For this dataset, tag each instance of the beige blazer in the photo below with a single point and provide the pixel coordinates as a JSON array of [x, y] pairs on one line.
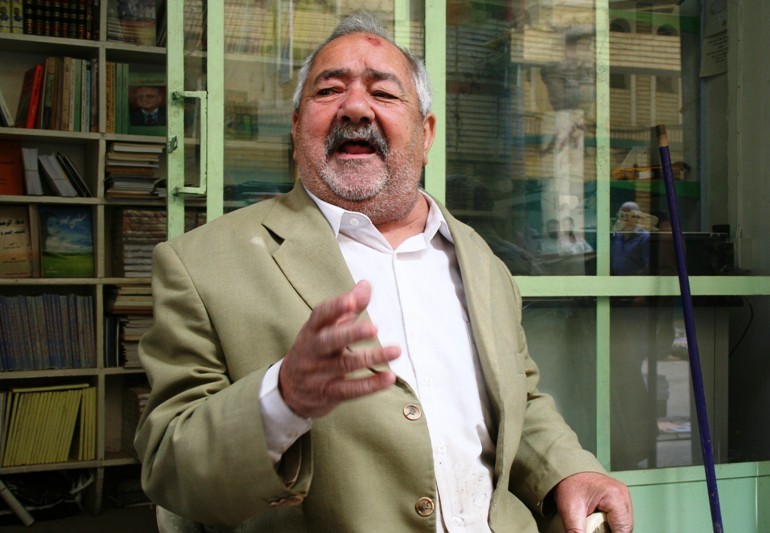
[[230, 298]]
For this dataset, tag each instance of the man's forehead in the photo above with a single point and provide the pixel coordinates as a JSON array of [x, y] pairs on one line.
[[368, 74], [373, 53]]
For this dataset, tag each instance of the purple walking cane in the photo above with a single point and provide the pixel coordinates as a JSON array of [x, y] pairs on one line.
[[689, 323]]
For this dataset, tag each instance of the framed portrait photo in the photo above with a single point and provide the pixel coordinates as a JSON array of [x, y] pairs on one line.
[[147, 103]]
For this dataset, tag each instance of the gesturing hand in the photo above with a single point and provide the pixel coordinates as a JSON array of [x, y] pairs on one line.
[[313, 378]]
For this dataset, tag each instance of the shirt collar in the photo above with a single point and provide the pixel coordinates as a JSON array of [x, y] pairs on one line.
[[335, 215]]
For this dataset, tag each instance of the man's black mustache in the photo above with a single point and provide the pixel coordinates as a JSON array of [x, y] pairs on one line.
[[341, 133]]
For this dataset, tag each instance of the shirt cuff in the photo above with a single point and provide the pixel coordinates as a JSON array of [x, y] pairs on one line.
[[282, 427]]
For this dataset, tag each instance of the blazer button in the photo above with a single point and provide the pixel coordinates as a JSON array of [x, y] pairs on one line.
[[412, 412], [425, 507]]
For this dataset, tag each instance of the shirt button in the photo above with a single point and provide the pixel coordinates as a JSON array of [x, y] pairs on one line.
[[353, 221], [425, 507], [412, 412]]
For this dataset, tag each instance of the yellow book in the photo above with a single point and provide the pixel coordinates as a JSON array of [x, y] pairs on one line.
[[10, 428], [39, 426], [18, 431], [51, 403], [4, 426], [86, 440], [70, 422], [31, 428], [58, 412]]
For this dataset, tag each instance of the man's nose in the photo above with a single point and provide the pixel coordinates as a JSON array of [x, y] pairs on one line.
[[356, 107]]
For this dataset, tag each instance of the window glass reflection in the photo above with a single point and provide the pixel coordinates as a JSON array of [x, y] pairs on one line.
[[561, 334], [520, 123], [653, 415]]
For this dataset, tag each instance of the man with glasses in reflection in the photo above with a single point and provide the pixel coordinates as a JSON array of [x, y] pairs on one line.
[[349, 357], [630, 247]]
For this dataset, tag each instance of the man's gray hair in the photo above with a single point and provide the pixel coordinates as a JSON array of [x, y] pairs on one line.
[[367, 23]]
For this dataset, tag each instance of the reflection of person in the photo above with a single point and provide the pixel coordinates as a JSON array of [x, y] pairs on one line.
[[549, 243], [149, 109], [571, 242], [630, 246], [633, 408], [273, 401]]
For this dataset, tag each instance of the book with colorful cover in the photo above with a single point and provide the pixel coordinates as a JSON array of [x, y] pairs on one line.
[[132, 21], [17, 16], [29, 98], [15, 242], [5, 16], [48, 93], [66, 241]]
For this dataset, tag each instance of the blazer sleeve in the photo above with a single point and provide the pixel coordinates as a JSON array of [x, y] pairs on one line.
[[200, 439], [548, 450]]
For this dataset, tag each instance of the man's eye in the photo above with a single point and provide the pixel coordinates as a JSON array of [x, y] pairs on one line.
[[381, 94], [327, 91]]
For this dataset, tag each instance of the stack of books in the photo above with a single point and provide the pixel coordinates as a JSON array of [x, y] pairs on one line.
[[132, 21], [50, 424], [136, 231], [134, 401], [133, 170], [130, 316]]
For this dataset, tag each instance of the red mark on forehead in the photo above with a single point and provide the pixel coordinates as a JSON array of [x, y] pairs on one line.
[[374, 41]]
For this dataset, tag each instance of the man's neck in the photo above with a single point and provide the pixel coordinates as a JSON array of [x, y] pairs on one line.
[[413, 224]]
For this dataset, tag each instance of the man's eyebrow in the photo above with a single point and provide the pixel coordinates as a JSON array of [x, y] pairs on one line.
[[370, 74]]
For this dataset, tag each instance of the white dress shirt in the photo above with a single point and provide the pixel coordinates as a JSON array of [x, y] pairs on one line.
[[417, 303]]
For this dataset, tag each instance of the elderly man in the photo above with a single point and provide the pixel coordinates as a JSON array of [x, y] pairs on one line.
[[349, 357]]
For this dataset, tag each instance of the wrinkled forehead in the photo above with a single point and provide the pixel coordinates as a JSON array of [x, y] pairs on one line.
[[361, 54]]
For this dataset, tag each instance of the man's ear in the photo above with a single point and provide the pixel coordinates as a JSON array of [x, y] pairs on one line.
[[429, 135], [294, 122]]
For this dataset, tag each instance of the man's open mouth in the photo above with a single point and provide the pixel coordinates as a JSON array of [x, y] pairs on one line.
[[362, 140], [356, 148]]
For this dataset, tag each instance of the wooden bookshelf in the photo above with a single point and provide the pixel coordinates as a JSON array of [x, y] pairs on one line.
[[86, 149]]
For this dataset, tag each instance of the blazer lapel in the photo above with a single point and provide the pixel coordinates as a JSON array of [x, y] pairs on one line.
[[475, 269], [308, 254]]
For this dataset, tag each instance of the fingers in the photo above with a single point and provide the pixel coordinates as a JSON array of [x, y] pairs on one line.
[[315, 373], [581, 494], [333, 324], [341, 309]]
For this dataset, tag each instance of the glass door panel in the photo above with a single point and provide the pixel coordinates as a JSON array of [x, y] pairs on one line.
[[246, 82], [520, 140], [551, 111]]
